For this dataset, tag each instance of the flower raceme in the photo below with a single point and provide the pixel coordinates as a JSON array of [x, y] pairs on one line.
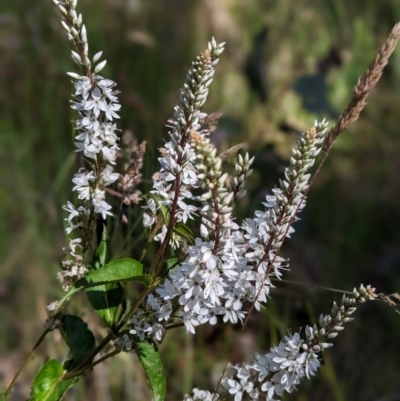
[[177, 177], [95, 100], [228, 265], [296, 357]]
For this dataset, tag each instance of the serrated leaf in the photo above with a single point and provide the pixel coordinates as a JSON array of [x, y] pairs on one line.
[[108, 302], [78, 337], [114, 272], [184, 232], [48, 384], [151, 362]]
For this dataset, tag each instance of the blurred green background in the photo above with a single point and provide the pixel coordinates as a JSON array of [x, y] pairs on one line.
[[286, 63]]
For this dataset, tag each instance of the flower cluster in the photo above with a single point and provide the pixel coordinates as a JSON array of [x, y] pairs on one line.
[[217, 198], [201, 395], [173, 184], [294, 359], [242, 171], [230, 264], [97, 105], [265, 233]]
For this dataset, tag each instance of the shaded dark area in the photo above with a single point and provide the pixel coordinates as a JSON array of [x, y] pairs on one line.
[[286, 63]]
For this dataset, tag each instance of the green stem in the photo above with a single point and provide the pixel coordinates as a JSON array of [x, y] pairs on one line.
[[26, 361], [83, 366], [92, 365]]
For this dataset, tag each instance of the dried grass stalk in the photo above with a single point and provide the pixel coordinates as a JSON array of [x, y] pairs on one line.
[[364, 86]]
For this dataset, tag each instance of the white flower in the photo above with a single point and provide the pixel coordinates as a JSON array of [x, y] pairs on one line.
[[70, 208], [168, 290], [160, 236], [100, 205], [96, 103], [186, 210], [108, 177], [148, 220], [82, 183], [106, 86], [83, 87], [108, 133], [110, 154], [110, 110]]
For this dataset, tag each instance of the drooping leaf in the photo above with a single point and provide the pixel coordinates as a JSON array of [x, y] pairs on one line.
[[184, 232], [114, 272], [49, 385], [151, 362], [78, 337]]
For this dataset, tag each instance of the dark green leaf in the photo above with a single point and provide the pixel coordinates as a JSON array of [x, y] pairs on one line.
[[151, 362], [114, 272], [165, 214], [78, 337], [169, 264], [172, 262], [184, 232], [102, 255], [48, 384], [107, 300]]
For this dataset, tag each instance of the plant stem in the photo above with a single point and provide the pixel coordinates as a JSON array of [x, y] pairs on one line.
[[83, 366], [26, 361], [92, 365]]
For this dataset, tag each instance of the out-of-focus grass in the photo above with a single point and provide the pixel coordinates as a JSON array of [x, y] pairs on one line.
[[349, 231]]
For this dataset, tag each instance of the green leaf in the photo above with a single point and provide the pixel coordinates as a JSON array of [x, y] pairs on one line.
[[114, 272], [151, 362], [184, 232], [78, 337], [108, 302], [169, 264], [102, 255], [2, 397], [172, 262], [49, 385], [165, 214]]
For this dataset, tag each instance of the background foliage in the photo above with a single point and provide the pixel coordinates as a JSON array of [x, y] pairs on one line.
[[286, 63]]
